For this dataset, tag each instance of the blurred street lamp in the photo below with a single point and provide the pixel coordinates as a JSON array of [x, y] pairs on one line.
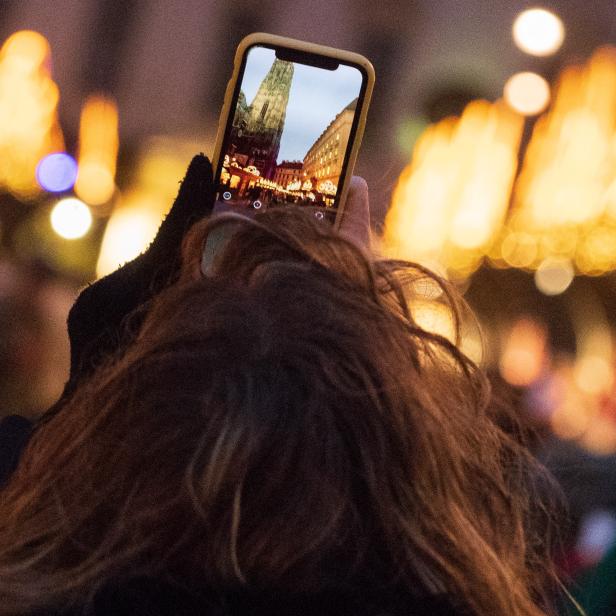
[[527, 93], [71, 218], [538, 32]]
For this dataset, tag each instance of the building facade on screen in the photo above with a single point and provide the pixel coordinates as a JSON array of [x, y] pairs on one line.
[[257, 127], [288, 172], [323, 161]]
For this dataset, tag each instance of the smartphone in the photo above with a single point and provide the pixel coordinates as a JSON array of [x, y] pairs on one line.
[[291, 126]]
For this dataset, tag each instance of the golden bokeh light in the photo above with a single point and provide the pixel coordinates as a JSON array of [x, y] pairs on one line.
[[141, 209], [29, 128], [527, 93], [519, 249], [523, 357], [95, 182], [98, 150], [567, 185], [26, 47], [593, 374], [452, 198], [538, 32], [553, 276], [596, 253], [131, 228]]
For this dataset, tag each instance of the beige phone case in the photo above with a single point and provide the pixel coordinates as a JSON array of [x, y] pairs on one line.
[[338, 54]]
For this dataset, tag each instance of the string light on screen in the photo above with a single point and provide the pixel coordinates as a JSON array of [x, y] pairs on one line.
[[538, 32], [527, 93], [57, 172], [71, 218]]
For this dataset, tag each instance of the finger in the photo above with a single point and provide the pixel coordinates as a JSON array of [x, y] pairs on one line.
[[355, 223], [195, 200]]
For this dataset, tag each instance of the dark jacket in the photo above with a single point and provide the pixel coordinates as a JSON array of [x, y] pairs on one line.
[[144, 597], [14, 435]]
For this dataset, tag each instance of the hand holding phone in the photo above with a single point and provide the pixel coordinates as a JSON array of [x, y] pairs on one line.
[[291, 126]]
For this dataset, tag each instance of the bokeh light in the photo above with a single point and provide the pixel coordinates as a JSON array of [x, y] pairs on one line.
[[527, 93], [29, 127], [57, 172], [143, 205], [573, 415], [553, 276], [71, 218], [563, 201], [523, 358], [538, 32], [28, 48], [128, 233], [98, 150], [593, 374], [451, 200], [96, 184], [519, 249]]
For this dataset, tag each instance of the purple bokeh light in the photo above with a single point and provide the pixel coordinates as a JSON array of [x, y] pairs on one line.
[[57, 172]]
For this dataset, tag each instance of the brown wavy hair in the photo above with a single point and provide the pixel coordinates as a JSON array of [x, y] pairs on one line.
[[280, 423]]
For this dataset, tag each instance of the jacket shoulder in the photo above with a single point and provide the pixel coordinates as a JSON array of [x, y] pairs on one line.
[[15, 432]]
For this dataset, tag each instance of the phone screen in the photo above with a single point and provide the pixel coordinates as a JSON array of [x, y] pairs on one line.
[[290, 131]]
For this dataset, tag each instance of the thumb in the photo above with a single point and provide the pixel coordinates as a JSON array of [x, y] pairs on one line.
[[355, 223]]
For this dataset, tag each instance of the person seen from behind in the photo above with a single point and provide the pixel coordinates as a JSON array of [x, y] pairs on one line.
[[269, 431]]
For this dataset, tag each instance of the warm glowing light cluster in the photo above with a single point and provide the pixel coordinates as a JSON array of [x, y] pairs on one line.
[[576, 395], [538, 32], [564, 206], [128, 233], [451, 200], [523, 357], [554, 275], [98, 150], [29, 126]]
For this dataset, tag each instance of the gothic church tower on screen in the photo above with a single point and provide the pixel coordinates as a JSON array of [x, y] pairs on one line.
[[265, 117]]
